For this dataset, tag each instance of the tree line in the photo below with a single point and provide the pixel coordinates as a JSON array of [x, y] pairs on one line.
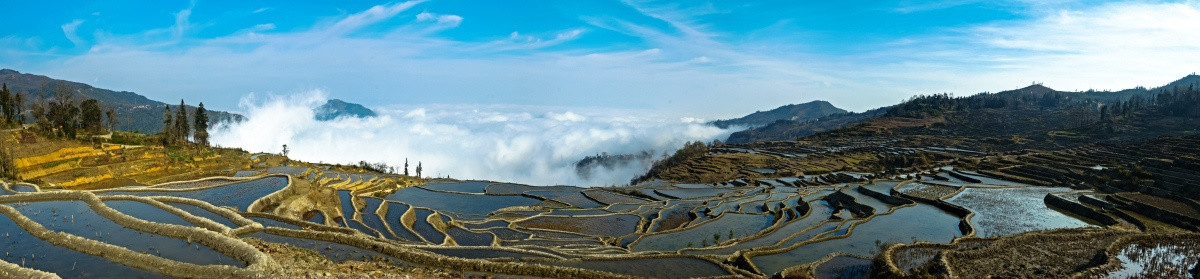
[[11, 107], [62, 116], [65, 116], [178, 127], [382, 167], [1176, 101], [935, 105]]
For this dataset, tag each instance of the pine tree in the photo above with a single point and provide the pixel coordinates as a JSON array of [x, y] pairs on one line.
[[7, 168], [405, 166], [18, 105], [181, 124], [200, 119], [168, 130], [5, 106], [418, 168]]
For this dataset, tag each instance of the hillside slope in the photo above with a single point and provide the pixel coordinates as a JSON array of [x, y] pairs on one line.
[[134, 112]]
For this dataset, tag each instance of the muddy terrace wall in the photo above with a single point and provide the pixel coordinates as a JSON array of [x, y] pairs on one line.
[[9, 270], [841, 201], [1156, 213], [1079, 209], [1110, 208], [886, 198]]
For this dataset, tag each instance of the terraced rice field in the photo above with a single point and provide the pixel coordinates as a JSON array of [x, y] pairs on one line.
[[865, 237], [737, 224], [653, 267], [800, 229], [484, 253], [680, 231], [204, 213], [473, 205], [613, 225], [146, 212], [572, 198], [237, 195]]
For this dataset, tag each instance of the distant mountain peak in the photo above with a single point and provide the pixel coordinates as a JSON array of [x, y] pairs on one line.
[[793, 112], [1037, 88], [336, 108], [1191, 79]]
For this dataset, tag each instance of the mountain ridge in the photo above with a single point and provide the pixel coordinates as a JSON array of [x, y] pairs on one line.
[[1036, 94], [793, 112]]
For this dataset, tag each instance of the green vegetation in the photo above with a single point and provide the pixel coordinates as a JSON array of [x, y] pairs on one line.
[[90, 116], [200, 122], [688, 152], [177, 128], [7, 169], [11, 106], [181, 129], [132, 138]]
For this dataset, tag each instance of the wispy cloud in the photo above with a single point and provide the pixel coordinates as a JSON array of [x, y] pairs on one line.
[[69, 30], [452, 20], [518, 41], [1112, 46], [181, 21], [370, 16]]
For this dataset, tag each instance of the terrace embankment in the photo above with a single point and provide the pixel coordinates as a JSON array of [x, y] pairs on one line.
[[1049, 254]]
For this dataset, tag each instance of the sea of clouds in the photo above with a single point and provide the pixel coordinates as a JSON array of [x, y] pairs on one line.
[[523, 144]]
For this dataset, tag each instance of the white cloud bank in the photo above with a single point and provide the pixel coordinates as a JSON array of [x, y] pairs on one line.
[[534, 145]]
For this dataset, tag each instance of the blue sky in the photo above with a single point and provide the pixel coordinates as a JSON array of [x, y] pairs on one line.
[[693, 58]]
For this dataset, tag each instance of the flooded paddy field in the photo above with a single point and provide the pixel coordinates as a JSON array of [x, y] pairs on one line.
[[1008, 211], [1168, 258], [77, 218], [867, 238], [795, 226]]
